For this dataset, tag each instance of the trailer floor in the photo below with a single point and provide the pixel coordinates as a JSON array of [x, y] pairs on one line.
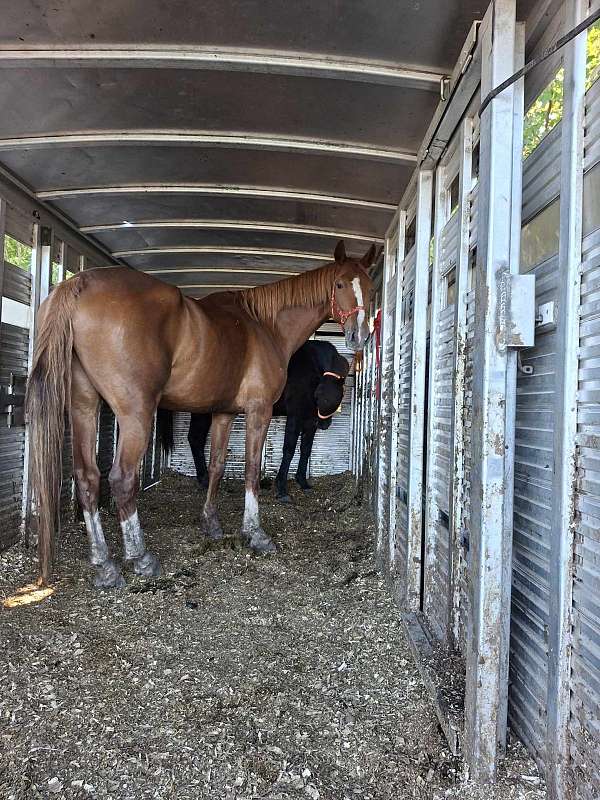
[[232, 677]]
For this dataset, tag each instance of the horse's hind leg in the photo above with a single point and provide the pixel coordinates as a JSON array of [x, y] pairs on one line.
[[84, 410], [257, 424], [221, 428], [306, 444], [134, 432], [197, 436]]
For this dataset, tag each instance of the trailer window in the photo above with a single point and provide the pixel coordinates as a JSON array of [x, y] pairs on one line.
[[539, 237], [592, 62], [544, 114], [17, 253], [410, 236], [591, 200]]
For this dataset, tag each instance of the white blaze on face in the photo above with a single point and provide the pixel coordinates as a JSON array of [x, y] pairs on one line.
[[251, 511], [359, 302]]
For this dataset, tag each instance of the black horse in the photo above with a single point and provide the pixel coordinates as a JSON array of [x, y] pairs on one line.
[[311, 396]]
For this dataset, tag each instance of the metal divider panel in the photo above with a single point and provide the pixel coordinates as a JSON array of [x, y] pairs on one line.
[[106, 449], [534, 463], [585, 663], [17, 284], [541, 178], [403, 443], [387, 388], [14, 350], [440, 446], [532, 522], [332, 448]]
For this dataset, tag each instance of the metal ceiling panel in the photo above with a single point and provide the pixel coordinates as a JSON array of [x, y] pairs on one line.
[[416, 33], [106, 166], [122, 100], [286, 124]]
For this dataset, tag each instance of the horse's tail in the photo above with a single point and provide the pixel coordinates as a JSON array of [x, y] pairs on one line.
[[48, 398], [164, 427]]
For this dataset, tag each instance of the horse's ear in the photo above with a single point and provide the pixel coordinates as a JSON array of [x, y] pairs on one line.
[[340, 252], [368, 257]]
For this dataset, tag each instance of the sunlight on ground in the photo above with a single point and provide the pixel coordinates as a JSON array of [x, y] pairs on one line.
[[32, 593]]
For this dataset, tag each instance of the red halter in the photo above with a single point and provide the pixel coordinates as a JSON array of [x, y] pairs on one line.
[[342, 315]]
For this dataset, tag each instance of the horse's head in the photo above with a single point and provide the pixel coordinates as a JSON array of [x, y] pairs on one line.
[[330, 391], [351, 295]]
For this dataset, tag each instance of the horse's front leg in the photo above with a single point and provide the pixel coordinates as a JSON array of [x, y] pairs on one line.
[[292, 431], [257, 424], [221, 428]]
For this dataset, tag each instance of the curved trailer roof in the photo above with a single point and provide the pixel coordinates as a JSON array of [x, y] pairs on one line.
[[224, 143]]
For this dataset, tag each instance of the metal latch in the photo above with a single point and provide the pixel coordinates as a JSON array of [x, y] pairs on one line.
[[12, 400]]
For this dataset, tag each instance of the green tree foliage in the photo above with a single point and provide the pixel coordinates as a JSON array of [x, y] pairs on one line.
[[544, 114], [547, 110], [17, 253]]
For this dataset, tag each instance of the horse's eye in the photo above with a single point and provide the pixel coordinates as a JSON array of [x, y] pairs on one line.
[[339, 285]]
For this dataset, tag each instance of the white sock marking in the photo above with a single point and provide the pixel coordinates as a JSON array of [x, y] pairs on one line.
[[251, 519]]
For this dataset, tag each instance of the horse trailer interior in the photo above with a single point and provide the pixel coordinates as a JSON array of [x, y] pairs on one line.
[[226, 145]]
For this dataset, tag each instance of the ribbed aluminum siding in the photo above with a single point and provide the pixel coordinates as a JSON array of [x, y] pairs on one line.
[[440, 447], [534, 464], [403, 411], [585, 664], [331, 449], [385, 419], [14, 354]]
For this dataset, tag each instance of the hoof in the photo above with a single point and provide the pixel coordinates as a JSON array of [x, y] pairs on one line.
[[108, 576], [307, 489], [259, 542], [203, 482], [148, 566], [213, 529], [284, 498]]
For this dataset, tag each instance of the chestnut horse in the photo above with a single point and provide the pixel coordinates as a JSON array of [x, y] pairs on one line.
[[137, 342]]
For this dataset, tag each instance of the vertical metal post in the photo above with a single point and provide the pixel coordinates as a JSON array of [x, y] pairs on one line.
[[395, 398], [380, 442], [45, 281], [2, 231], [487, 648], [36, 298], [458, 384], [417, 390], [511, 381], [431, 506], [565, 409]]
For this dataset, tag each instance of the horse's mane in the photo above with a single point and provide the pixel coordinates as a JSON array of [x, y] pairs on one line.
[[308, 289]]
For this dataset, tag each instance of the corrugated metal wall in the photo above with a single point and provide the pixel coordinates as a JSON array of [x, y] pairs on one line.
[[16, 293], [584, 724]]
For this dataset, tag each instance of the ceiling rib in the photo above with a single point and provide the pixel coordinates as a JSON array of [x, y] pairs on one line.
[[210, 139], [261, 61], [234, 251], [227, 271], [216, 189], [236, 225]]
